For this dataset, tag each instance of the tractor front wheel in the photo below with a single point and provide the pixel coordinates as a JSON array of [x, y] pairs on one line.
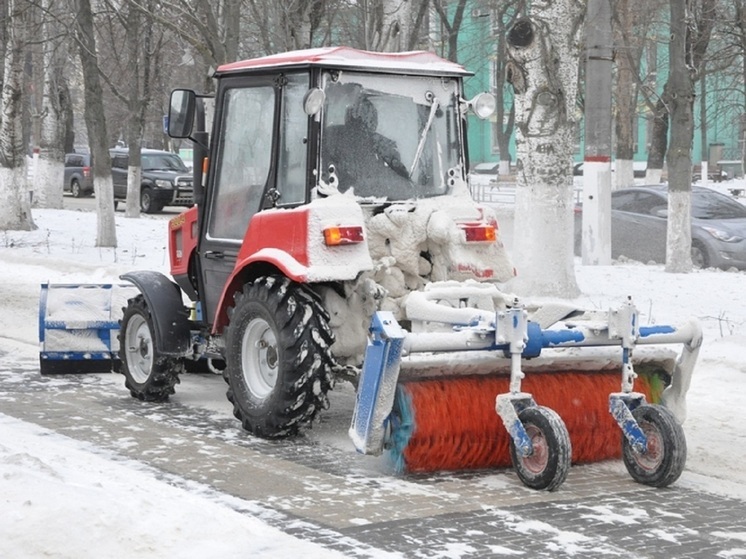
[[663, 461], [278, 361], [148, 375], [549, 463]]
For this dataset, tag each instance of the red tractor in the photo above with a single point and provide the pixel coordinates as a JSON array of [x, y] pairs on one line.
[[333, 184]]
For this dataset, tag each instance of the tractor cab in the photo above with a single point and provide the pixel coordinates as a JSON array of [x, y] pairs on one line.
[[384, 127], [370, 130]]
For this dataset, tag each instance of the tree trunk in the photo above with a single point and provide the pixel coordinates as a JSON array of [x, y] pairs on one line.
[[504, 18], [96, 124], [134, 34], [544, 51], [55, 110], [681, 89], [658, 140], [15, 209], [629, 32]]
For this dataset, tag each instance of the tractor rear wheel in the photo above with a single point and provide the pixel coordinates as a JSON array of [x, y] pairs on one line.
[[665, 457], [549, 463], [278, 361], [148, 376]]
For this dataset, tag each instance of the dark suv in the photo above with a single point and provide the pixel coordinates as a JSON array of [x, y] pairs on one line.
[[165, 180], [78, 174]]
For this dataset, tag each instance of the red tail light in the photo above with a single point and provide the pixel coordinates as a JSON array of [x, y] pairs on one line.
[[480, 233], [86, 172], [335, 236]]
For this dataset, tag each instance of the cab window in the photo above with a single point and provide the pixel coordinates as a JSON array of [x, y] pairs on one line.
[[291, 169], [244, 158]]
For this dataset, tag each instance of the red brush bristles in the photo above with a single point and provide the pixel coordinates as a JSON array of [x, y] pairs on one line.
[[455, 425]]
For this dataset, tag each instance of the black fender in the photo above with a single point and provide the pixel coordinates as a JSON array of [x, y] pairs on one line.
[[170, 317]]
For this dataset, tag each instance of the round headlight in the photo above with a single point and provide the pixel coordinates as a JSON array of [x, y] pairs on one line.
[[313, 101], [484, 105]]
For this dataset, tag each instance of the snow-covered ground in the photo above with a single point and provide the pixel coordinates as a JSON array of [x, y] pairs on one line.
[[121, 509]]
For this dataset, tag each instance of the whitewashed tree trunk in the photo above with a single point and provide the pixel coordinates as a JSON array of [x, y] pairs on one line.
[[106, 233], [653, 176], [624, 174], [15, 208], [134, 180], [544, 50], [679, 231], [51, 170]]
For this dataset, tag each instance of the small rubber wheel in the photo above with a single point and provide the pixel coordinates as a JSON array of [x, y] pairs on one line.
[[75, 189], [549, 463], [700, 260], [148, 376], [148, 203], [665, 457]]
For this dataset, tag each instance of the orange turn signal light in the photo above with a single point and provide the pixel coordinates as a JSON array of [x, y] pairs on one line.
[[335, 236]]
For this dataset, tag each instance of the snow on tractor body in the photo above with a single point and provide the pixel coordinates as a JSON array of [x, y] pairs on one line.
[[334, 233]]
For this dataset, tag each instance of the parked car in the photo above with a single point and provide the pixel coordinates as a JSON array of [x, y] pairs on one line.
[[639, 169], [484, 174], [78, 174], [715, 176], [639, 227], [165, 181]]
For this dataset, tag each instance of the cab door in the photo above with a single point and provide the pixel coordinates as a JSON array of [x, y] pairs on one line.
[[241, 168]]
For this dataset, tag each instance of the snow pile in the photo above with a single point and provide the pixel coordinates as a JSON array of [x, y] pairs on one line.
[[61, 498]]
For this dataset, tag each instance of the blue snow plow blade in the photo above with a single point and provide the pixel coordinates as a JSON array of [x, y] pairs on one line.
[[78, 327]]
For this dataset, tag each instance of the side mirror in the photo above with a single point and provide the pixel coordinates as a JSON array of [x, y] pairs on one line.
[[181, 113]]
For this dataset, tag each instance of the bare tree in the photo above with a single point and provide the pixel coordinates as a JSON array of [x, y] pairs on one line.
[[290, 24], [631, 20], [15, 211], [544, 50], [505, 17], [699, 21], [96, 124], [135, 46], [54, 109], [210, 28], [452, 27], [680, 95]]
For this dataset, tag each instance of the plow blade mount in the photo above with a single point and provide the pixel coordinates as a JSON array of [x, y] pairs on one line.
[[429, 399], [78, 326]]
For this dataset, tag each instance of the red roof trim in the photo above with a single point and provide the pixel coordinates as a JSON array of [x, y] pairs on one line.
[[346, 56]]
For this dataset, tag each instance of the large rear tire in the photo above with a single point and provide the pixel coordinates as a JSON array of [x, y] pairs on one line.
[[148, 376], [549, 463], [278, 360], [665, 458]]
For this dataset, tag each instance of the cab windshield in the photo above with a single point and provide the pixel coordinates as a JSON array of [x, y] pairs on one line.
[[390, 137]]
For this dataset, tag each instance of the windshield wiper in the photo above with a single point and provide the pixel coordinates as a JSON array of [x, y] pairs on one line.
[[433, 109]]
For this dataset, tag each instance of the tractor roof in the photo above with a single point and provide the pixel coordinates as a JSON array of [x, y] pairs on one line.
[[413, 62]]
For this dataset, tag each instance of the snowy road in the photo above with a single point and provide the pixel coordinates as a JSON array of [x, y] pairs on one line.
[[317, 489]]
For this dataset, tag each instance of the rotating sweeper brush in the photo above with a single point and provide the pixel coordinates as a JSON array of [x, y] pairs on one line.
[[500, 389]]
